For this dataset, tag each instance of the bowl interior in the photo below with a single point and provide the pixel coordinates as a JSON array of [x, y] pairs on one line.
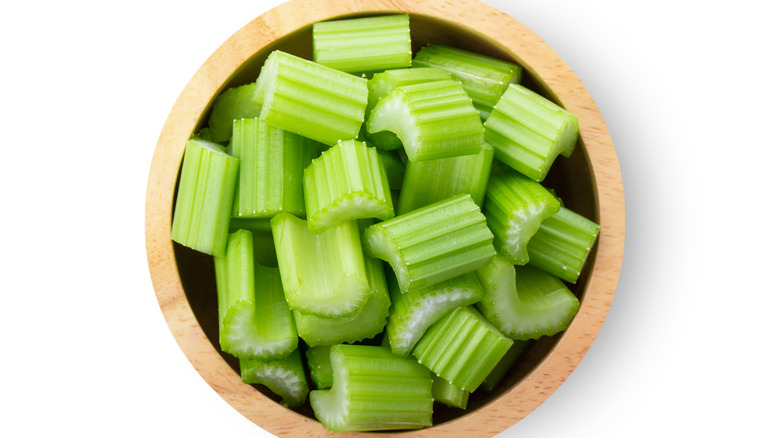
[[572, 178]]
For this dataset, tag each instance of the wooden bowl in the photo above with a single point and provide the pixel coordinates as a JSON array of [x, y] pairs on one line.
[[589, 183]]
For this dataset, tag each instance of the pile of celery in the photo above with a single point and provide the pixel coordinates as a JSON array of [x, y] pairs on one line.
[[378, 223]]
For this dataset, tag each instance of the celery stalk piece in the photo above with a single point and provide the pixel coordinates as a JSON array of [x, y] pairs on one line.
[[562, 244], [411, 314], [322, 274], [320, 370], [432, 244], [515, 206], [529, 132], [255, 321], [270, 176], [448, 394], [369, 321], [432, 119], [310, 99], [462, 348], [484, 78], [233, 103], [201, 216], [504, 365], [286, 377], [394, 168], [373, 389], [347, 182], [426, 182], [363, 45]]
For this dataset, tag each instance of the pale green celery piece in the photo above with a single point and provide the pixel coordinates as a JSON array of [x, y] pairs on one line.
[[201, 216], [448, 394], [310, 99], [286, 377], [322, 274], [363, 45], [411, 314], [270, 177], [562, 244], [504, 365], [320, 370], [347, 182], [265, 254], [462, 348], [426, 182], [432, 119], [369, 321], [394, 168], [484, 78], [233, 103], [529, 132], [432, 244], [515, 206], [373, 389]]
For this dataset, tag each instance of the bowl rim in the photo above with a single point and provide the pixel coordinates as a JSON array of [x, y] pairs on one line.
[[504, 32]]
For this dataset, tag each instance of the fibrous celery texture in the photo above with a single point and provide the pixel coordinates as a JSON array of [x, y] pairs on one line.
[[201, 216], [432, 244], [286, 377], [310, 99], [320, 370], [373, 389], [362, 45], [484, 78], [529, 132], [232, 104], [448, 394], [347, 182]]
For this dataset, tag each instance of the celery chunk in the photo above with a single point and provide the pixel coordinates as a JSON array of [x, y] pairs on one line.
[[394, 168], [285, 377], [448, 394], [232, 104], [504, 365], [320, 370]]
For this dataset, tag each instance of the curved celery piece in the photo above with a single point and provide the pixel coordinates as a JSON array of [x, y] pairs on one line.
[[426, 182], [412, 313], [363, 45], [462, 348], [529, 132], [394, 168], [232, 104], [504, 365], [448, 394], [322, 274], [515, 206], [286, 377], [432, 119], [310, 99], [270, 178], [201, 216], [373, 389], [347, 182], [432, 244], [484, 78], [320, 370], [524, 302], [562, 244]]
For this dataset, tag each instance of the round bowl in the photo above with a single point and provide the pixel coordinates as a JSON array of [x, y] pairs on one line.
[[589, 182]]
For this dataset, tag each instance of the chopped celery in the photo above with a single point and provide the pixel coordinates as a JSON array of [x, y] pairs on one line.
[[201, 216], [432, 244], [270, 178], [515, 206], [394, 168], [310, 99], [345, 183], [320, 370], [529, 132], [285, 377], [322, 274], [373, 389], [232, 104], [363, 45], [448, 394], [432, 119], [412, 313], [484, 78], [428, 181], [462, 348], [504, 365]]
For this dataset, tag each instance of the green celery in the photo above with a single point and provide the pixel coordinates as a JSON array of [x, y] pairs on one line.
[[448, 394], [201, 216], [233, 103], [394, 168], [373, 389], [363, 45], [320, 370], [504, 365], [432, 244], [529, 132], [286, 377]]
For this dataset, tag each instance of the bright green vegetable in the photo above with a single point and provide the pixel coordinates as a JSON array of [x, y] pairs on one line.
[[394, 168], [448, 394], [285, 377], [233, 103], [504, 365], [320, 370]]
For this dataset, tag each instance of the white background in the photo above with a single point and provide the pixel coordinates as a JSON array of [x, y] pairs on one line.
[[689, 92]]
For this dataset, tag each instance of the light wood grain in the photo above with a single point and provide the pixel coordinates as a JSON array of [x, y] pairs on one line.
[[589, 182]]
